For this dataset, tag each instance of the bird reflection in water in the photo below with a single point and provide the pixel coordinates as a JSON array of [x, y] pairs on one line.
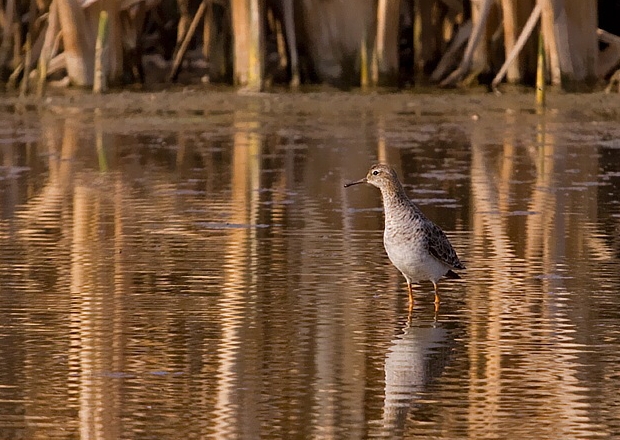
[[416, 358]]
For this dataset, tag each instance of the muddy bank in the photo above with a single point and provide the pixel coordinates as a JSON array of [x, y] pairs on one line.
[[191, 105], [196, 100]]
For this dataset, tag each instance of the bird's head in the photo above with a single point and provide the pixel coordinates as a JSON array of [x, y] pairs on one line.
[[379, 175]]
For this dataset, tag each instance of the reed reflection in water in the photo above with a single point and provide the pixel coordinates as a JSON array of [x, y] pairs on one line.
[[214, 279]]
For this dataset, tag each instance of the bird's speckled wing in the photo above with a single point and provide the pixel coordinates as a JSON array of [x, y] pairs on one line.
[[439, 246]]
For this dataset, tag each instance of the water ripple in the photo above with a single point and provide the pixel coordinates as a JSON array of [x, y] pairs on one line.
[[218, 281]]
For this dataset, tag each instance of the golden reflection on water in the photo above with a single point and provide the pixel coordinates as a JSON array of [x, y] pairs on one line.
[[502, 305], [219, 282], [239, 284]]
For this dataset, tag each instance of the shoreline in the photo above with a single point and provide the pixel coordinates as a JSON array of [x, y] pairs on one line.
[[191, 101]]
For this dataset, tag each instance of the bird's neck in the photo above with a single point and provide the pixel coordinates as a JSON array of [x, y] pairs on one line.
[[395, 201]]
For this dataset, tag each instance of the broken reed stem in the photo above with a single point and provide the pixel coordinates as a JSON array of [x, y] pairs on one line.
[[523, 36], [540, 72], [100, 84], [11, 83], [185, 43]]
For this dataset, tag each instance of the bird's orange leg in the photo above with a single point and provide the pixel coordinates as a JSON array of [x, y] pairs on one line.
[[410, 289], [437, 299]]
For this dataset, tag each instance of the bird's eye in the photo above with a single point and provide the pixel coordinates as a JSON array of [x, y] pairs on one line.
[[375, 172]]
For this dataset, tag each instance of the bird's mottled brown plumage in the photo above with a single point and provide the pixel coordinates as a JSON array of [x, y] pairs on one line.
[[414, 244]]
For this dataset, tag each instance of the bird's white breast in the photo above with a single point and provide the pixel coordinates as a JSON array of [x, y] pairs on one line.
[[413, 260]]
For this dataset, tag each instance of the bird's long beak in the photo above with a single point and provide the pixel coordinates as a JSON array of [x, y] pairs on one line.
[[364, 180]]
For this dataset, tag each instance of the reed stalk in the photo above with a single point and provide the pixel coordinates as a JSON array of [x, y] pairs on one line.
[[540, 72], [364, 76], [23, 87], [100, 81]]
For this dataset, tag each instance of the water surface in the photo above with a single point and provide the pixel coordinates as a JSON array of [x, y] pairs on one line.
[[208, 276]]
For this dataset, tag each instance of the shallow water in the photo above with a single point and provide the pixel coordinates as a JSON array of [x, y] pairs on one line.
[[211, 277]]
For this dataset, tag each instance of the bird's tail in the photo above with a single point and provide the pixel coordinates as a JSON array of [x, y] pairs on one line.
[[453, 275]]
